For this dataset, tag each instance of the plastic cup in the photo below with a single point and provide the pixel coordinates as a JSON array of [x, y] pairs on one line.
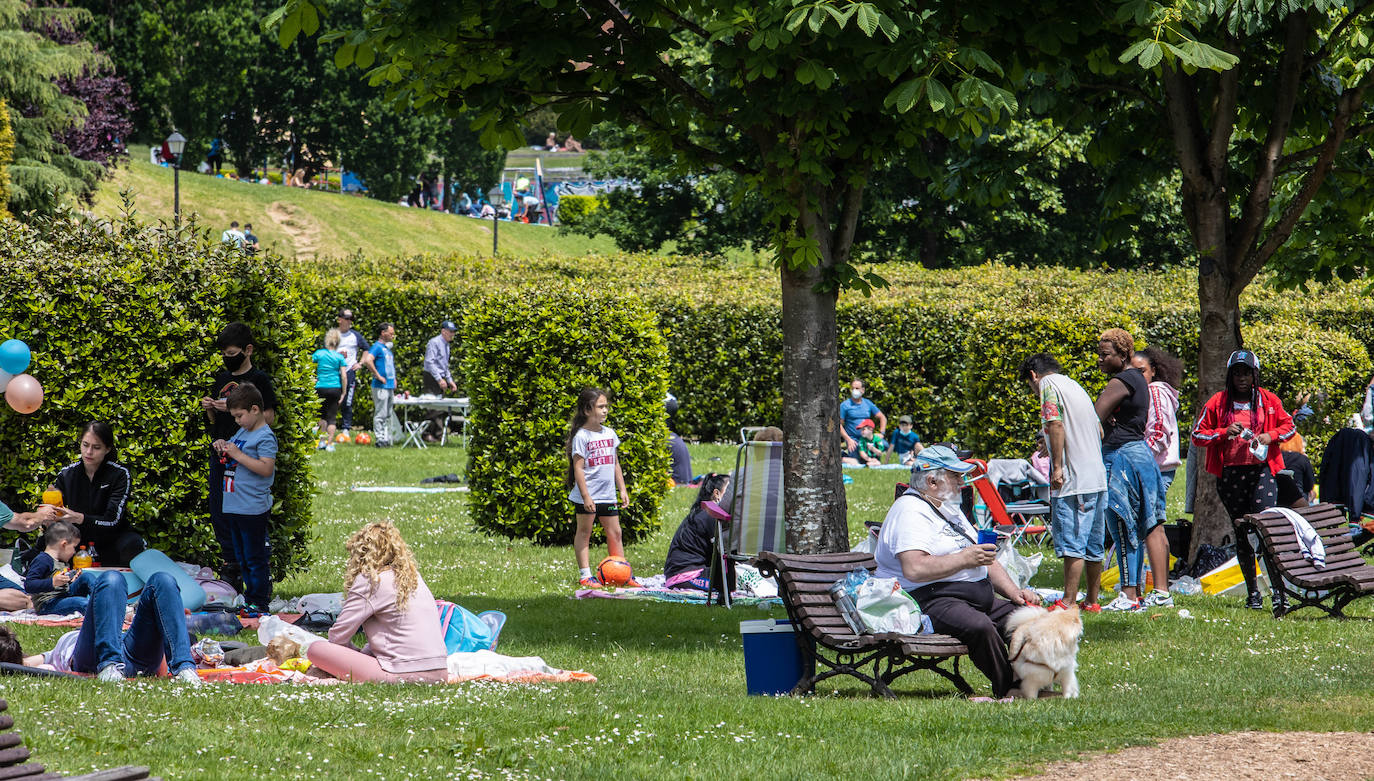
[[987, 537]]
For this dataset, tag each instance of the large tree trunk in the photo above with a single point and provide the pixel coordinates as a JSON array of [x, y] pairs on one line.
[[817, 515], [1219, 306]]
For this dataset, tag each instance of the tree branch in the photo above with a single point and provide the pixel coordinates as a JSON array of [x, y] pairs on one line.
[[1287, 162], [843, 243], [1350, 103], [1320, 54], [1186, 128], [682, 144], [1224, 118], [664, 72], [1256, 207]]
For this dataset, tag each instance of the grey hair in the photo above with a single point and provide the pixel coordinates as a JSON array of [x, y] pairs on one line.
[[920, 478]]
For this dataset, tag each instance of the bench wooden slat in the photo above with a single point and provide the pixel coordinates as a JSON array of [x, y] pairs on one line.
[[126, 773], [1345, 576]]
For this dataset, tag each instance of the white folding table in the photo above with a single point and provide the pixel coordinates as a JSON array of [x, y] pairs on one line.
[[451, 406]]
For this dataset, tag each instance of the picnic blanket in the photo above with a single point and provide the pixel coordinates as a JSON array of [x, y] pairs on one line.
[[37, 619], [462, 667], [690, 596]]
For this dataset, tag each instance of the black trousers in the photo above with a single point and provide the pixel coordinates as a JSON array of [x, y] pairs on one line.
[[1244, 490], [430, 384], [971, 612]]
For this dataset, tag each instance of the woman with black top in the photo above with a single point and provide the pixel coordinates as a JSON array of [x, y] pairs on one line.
[[1134, 498], [95, 491], [689, 554]]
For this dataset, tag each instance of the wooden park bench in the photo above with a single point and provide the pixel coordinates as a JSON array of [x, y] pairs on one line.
[[829, 647], [1346, 576], [14, 758]]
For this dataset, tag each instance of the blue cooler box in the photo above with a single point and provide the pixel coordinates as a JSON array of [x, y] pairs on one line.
[[772, 660]]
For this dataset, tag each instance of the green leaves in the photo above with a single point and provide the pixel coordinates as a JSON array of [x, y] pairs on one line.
[[1190, 53], [296, 17]]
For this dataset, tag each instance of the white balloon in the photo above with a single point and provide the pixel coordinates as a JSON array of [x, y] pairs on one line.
[[5, 378]]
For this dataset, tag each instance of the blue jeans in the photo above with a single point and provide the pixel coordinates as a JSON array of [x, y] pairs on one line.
[[1166, 479], [158, 630], [253, 554], [67, 604]]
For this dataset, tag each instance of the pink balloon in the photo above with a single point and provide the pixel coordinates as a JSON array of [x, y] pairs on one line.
[[24, 394]]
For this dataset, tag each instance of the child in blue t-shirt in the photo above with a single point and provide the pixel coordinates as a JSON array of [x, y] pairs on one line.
[[250, 464], [48, 581], [905, 442]]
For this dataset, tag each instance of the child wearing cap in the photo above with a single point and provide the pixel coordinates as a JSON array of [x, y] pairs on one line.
[[905, 442], [869, 446]]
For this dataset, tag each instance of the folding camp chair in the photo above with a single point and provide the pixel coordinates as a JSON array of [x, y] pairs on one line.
[[1016, 519], [757, 523]]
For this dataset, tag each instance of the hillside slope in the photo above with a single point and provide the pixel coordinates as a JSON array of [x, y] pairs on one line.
[[314, 224]]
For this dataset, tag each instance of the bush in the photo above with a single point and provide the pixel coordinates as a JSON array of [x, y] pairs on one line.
[[122, 322], [574, 209], [941, 346], [527, 357]]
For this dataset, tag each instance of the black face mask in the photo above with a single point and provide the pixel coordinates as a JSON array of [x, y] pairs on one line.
[[233, 362]]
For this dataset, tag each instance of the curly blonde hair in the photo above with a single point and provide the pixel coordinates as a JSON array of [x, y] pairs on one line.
[[1120, 340], [377, 547]]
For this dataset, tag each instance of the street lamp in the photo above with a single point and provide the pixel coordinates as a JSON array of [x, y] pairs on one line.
[[176, 144]]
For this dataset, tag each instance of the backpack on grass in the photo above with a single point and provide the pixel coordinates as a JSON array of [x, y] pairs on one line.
[[465, 631]]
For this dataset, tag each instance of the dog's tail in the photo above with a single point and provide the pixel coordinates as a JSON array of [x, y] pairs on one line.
[[1023, 614], [1017, 620]]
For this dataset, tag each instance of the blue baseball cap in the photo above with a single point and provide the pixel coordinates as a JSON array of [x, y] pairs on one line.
[[940, 457]]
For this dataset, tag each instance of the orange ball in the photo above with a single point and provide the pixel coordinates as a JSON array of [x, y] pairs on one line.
[[614, 571], [363, 438]]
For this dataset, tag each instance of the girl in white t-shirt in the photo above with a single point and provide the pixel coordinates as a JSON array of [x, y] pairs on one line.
[[594, 480]]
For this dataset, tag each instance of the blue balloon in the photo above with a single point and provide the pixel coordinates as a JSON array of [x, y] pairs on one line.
[[14, 356]]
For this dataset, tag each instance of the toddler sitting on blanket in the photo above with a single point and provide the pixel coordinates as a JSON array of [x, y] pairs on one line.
[[388, 600], [47, 580]]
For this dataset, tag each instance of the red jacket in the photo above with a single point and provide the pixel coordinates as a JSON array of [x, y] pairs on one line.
[[1216, 417]]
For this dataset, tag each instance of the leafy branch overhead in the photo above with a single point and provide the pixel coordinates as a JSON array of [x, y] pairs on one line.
[[801, 99]]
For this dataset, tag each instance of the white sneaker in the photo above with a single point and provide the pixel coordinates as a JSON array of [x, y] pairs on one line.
[[188, 676], [329, 448], [1158, 598], [1122, 604], [111, 674]]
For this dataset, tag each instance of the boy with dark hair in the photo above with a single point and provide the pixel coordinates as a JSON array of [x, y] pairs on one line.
[[250, 464], [236, 347], [51, 585], [10, 650]]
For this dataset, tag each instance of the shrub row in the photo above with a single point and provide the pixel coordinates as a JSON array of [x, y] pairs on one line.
[[529, 356], [941, 346], [122, 323]]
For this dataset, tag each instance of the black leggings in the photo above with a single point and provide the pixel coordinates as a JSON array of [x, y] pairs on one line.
[[1245, 490]]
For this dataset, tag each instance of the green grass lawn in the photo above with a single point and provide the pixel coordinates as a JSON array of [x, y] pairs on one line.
[[670, 699], [311, 223]]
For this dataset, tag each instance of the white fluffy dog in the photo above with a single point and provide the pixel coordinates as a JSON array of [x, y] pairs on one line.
[[1044, 649]]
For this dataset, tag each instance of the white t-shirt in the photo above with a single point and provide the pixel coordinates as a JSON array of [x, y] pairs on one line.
[[348, 345], [597, 448], [913, 524], [1063, 399], [60, 657]]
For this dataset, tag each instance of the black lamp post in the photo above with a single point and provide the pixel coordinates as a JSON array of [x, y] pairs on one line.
[[176, 144]]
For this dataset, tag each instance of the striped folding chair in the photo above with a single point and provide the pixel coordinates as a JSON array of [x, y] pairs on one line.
[[756, 521]]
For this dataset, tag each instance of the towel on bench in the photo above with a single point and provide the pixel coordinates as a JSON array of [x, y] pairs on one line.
[[1308, 540]]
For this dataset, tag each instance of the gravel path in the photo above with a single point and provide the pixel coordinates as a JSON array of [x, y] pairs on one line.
[[1309, 756]]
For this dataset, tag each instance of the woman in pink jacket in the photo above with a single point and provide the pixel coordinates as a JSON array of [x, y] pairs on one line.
[[1164, 373], [389, 601]]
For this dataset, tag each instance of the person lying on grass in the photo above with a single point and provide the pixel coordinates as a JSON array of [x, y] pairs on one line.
[[102, 646], [388, 600]]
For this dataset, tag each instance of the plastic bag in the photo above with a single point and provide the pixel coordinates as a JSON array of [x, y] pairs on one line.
[[1186, 585], [271, 626], [1020, 568], [844, 592], [885, 607]]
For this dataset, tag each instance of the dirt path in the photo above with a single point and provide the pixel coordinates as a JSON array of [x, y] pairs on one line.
[[303, 230], [1310, 756]]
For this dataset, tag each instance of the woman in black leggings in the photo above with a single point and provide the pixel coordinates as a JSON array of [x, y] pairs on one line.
[[1241, 427]]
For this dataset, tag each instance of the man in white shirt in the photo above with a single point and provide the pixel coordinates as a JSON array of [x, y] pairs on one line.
[[1078, 478], [928, 545]]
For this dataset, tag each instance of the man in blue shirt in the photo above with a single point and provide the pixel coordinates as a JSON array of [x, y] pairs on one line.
[[381, 361], [855, 410]]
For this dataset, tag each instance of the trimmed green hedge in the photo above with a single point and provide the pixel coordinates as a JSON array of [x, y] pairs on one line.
[[122, 322], [527, 357], [941, 346]]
